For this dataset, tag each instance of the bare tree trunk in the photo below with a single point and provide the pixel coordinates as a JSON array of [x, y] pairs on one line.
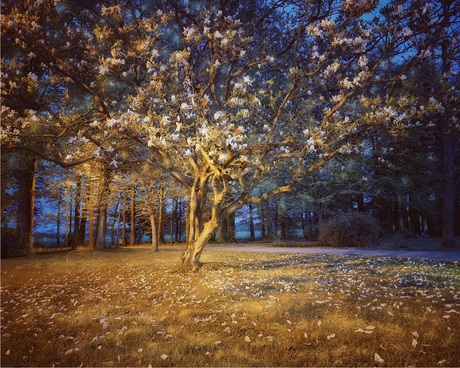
[[30, 244], [177, 219], [262, 219], [200, 235], [133, 224], [76, 223], [160, 219], [116, 223], [58, 221], [154, 233], [101, 228], [171, 221], [82, 230], [91, 218], [24, 216], [123, 226], [319, 215], [231, 230], [192, 254], [67, 198], [251, 223], [102, 215]]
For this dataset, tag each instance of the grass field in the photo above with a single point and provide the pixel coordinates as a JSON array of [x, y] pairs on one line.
[[129, 307]]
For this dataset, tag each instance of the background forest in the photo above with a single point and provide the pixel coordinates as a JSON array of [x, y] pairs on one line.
[[130, 121]]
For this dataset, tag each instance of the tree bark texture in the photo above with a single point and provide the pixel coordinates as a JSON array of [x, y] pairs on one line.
[[133, 215], [123, 226], [102, 213], [76, 223], [154, 232]]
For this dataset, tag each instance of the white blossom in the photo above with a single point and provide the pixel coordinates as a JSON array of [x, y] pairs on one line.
[[222, 157], [217, 34], [218, 115], [189, 32], [111, 122], [32, 76], [247, 80], [362, 62], [345, 83], [406, 32], [165, 120], [401, 117], [103, 69], [185, 106]]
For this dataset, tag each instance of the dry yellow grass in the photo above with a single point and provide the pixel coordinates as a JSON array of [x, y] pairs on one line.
[[129, 307]]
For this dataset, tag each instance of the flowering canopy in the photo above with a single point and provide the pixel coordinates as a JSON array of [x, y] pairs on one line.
[[219, 95]]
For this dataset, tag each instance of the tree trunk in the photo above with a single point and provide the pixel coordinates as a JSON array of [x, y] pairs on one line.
[[154, 233], [102, 213], [58, 220], [231, 230], [76, 223], [160, 219], [30, 244], [171, 221], [82, 231], [199, 234], [133, 218], [70, 236], [177, 219], [116, 223], [319, 216], [222, 238], [251, 223], [24, 231], [67, 198], [192, 254], [101, 228], [263, 219], [91, 218], [123, 226]]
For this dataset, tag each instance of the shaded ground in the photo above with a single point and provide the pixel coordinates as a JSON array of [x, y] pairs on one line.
[[448, 255], [412, 248]]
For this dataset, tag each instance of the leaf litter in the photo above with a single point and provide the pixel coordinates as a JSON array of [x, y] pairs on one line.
[[133, 307]]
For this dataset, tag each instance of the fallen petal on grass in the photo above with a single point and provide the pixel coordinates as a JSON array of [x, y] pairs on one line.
[[230, 315], [378, 358]]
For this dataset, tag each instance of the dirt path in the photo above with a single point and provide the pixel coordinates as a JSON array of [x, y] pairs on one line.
[[448, 255]]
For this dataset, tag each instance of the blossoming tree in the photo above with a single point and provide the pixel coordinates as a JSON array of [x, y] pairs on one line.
[[219, 94]]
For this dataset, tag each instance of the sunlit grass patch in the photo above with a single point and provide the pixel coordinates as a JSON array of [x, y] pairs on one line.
[[130, 308]]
